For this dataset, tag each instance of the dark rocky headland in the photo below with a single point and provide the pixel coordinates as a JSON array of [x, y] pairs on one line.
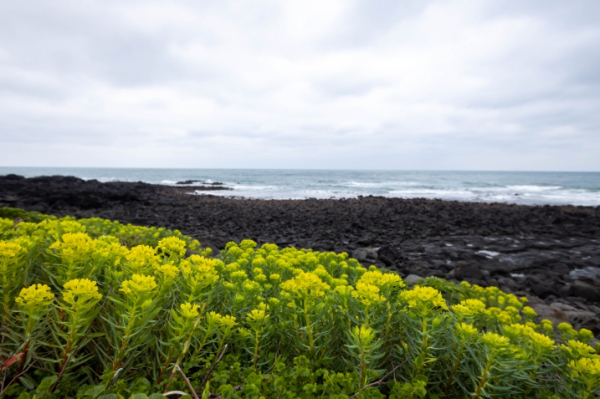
[[531, 250]]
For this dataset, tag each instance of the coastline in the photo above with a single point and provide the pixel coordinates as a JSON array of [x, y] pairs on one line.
[[531, 250]]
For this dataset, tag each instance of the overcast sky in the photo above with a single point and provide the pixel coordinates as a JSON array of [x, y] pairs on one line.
[[461, 85]]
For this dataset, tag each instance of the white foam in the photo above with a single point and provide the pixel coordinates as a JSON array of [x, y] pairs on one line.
[[587, 272], [533, 188], [380, 184], [488, 254]]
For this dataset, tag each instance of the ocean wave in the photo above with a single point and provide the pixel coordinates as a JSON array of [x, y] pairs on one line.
[[379, 184], [533, 188]]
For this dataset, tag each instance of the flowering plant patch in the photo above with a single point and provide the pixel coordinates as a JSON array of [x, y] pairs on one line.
[[97, 309]]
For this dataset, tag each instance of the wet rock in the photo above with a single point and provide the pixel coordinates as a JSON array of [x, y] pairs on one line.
[[544, 290], [364, 254], [465, 270], [387, 255], [555, 315], [583, 290], [413, 279]]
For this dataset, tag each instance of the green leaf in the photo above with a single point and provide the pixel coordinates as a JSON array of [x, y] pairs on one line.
[[139, 396], [27, 382], [157, 396], [94, 391], [46, 384]]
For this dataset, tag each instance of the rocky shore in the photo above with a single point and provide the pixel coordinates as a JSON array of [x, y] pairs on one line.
[[549, 253]]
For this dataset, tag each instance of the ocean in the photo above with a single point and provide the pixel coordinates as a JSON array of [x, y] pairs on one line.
[[529, 188]]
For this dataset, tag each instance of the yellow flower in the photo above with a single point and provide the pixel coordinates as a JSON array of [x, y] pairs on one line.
[[468, 308], [367, 294], [74, 247], [167, 273], [495, 341], [578, 349], [547, 326], [142, 259], [365, 335], [239, 276], [5, 224], [305, 286], [382, 281], [425, 298], [189, 310], [586, 368], [9, 251], [257, 318], [251, 287], [466, 330], [585, 335], [260, 278], [81, 292], [227, 323], [528, 312], [171, 246], [247, 244], [35, 299], [140, 288], [540, 341]]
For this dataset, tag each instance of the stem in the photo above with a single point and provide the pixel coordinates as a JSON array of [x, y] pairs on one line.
[[484, 375], [308, 327], [454, 368], [125, 339], [211, 369], [64, 364], [23, 357], [186, 346], [362, 363], [258, 335], [163, 370]]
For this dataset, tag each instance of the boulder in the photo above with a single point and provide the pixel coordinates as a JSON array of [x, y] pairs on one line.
[[387, 255], [413, 279], [584, 290], [466, 270]]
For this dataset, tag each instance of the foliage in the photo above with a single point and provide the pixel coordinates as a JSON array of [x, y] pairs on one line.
[[97, 309]]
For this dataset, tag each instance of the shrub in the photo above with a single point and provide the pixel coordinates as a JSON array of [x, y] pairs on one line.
[[97, 309]]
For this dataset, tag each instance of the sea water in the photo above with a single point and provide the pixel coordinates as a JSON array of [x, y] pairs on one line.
[[529, 188]]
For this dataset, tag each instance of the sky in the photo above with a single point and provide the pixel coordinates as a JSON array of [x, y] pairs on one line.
[[417, 85]]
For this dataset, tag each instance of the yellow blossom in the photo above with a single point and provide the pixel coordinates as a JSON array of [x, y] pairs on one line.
[[74, 247], [81, 293], [365, 335], [468, 308], [167, 273], [140, 288], [189, 310], [305, 285], [529, 313], [367, 294], [171, 246], [495, 341], [465, 330], [425, 298], [381, 280], [142, 259], [35, 299]]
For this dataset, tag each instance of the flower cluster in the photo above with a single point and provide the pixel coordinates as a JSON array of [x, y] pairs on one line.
[[35, 299], [275, 322]]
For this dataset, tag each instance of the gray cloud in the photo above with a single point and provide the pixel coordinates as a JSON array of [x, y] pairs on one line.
[[335, 84]]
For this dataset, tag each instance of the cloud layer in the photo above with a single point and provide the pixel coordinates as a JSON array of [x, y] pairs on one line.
[[490, 85]]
